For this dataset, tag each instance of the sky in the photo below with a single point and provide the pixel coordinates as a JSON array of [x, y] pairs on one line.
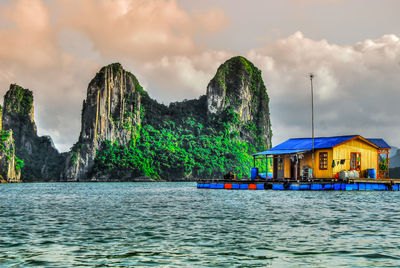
[[174, 47]]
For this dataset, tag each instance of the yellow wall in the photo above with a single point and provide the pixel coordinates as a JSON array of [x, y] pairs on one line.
[[287, 166], [369, 155], [328, 173], [307, 161]]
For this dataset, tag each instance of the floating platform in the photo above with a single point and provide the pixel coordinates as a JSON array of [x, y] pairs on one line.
[[314, 185]]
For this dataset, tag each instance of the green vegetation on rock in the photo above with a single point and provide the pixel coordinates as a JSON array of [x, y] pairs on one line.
[[21, 101], [4, 135], [19, 163], [177, 150], [9, 150]]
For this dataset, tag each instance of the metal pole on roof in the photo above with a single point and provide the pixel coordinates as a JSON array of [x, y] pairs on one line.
[[312, 120]]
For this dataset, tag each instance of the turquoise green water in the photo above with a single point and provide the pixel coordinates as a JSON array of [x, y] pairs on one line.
[[176, 224]]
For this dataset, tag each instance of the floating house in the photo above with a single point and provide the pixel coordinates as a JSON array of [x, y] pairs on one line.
[[293, 159], [341, 163]]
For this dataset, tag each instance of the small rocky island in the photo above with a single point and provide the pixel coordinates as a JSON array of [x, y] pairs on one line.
[[128, 136]]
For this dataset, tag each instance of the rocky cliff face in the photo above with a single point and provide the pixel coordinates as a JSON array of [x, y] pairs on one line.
[[42, 161], [111, 111], [120, 121], [10, 165], [238, 86]]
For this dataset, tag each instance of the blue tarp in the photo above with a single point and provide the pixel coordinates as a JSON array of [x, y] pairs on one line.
[[305, 144]]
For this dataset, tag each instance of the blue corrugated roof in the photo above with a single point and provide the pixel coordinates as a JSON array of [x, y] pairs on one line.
[[269, 152], [380, 143], [305, 144]]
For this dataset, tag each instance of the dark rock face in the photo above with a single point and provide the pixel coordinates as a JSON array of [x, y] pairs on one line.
[[111, 111], [42, 162], [238, 86]]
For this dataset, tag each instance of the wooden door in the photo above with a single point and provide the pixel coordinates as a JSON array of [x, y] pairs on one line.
[[355, 161]]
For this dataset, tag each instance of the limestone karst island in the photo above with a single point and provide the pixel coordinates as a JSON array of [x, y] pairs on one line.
[[128, 136]]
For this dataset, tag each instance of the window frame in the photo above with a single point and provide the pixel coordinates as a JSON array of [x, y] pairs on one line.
[[351, 159], [322, 154], [355, 153]]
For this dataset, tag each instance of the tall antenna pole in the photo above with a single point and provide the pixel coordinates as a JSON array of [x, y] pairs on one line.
[[312, 120]]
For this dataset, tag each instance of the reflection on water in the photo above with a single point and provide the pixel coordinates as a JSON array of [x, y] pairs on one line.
[[176, 224]]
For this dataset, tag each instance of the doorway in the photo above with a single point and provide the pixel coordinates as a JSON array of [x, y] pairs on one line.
[[279, 167], [294, 167]]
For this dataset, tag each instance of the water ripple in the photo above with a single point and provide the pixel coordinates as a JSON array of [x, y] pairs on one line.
[[175, 224]]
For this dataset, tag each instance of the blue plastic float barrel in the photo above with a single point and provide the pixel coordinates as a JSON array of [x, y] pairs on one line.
[[372, 186], [350, 187], [316, 186], [304, 186], [382, 187], [328, 186], [254, 173], [364, 187], [294, 187], [372, 173], [244, 186], [260, 186], [277, 186]]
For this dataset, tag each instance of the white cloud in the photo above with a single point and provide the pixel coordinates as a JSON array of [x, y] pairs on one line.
[[356, 87]]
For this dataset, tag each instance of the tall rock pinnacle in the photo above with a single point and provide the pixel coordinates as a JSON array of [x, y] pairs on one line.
[[10, 165], [238, 86], [111, 111], [42, 160]]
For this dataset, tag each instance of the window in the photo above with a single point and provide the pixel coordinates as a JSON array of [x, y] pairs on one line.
[[355, 161], [323, 160]]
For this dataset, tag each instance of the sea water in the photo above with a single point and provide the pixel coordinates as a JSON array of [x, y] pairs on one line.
[[176, 224]]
